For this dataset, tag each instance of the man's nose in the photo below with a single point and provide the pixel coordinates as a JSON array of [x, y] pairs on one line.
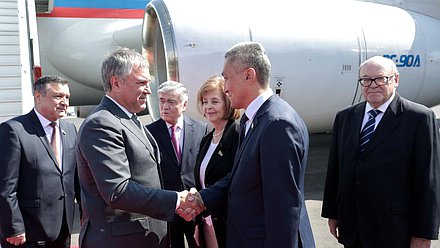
[[64, 100], [147, 89]]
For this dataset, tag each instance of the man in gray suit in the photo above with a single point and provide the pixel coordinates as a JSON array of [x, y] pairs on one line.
[[118, 159], [265, 189], [178, 137]]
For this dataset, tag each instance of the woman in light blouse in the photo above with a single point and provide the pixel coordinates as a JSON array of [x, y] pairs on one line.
[[216, 155]]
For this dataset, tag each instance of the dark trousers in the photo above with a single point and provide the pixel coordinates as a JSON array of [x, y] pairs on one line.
[[356, 244], [62, 241], [180, 228]]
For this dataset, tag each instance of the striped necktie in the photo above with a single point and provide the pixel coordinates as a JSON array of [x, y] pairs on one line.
[[368, 130]]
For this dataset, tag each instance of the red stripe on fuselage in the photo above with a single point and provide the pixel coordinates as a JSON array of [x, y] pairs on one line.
[[95, 13]]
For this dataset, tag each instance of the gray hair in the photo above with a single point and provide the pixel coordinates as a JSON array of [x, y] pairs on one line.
[[173, 86], [120, 63], [251, 55], [384, 62], [40, 84]]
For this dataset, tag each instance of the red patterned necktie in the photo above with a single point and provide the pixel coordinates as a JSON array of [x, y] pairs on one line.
[[175, 142], [54, 143]]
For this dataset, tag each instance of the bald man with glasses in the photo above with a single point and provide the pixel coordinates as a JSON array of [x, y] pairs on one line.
[[383, 179]]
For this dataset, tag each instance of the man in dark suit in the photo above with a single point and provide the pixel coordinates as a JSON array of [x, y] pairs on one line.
[[383, 179], [265, 190], [38, 170], [124, 204], [177, 158]]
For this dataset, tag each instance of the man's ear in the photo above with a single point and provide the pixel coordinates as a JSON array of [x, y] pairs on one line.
[[114, 83], [37, 97], [185, 106], [250, 74]]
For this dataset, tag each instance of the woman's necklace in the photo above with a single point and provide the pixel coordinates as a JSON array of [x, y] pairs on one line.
[[219, 133]]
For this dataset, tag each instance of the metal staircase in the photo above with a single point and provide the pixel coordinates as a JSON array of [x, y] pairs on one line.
[[17, 38]]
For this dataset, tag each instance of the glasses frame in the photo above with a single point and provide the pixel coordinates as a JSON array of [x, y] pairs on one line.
[[386, 81]]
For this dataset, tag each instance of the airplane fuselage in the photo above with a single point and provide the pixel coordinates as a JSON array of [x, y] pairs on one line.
[[315, 51]]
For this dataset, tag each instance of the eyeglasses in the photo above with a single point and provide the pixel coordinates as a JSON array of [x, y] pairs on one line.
[[380, 81]]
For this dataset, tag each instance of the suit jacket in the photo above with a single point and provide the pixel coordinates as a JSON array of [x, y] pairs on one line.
[[218, 167], [34, 192], [122, 197], [391, 191], [265, 190], [178, 176]]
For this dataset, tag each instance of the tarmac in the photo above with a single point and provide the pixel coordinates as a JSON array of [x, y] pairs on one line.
[[313, 185]]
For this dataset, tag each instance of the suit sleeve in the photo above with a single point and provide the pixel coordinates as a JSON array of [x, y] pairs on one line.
[[11, 220], [215, 196], [282, 150], [426, 184], [329, 203], [106, 157]]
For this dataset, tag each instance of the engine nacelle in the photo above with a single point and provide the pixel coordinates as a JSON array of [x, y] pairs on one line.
[[315, 48]]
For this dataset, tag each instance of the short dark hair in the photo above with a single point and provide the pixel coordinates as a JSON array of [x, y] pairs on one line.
[[40, 84]]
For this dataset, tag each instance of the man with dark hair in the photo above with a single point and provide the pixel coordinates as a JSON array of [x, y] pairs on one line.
[[38, 170]]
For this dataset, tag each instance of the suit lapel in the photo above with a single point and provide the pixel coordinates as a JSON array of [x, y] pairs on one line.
[[36, 124], [386, 125], [254, 125], [154, 144], [358, 118], [188, 131], [129, 124], [63, 136], [165, 139]]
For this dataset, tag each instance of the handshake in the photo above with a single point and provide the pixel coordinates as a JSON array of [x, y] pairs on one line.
[[191, 204]]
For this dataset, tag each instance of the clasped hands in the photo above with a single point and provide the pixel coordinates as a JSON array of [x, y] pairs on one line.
[[191, 204]]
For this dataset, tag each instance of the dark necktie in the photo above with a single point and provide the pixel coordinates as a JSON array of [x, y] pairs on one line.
[[136, 121], [368, 130], [175, 142], [54, 143], [243, 121]]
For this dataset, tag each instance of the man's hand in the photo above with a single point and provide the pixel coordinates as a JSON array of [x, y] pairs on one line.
[[333, 226], [17, 240], [191, 204], [420, 243]]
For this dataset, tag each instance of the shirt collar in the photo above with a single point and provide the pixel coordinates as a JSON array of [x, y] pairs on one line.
[[382, 107], [253, 107], [120, 106], [43, 120], [179, 123]]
